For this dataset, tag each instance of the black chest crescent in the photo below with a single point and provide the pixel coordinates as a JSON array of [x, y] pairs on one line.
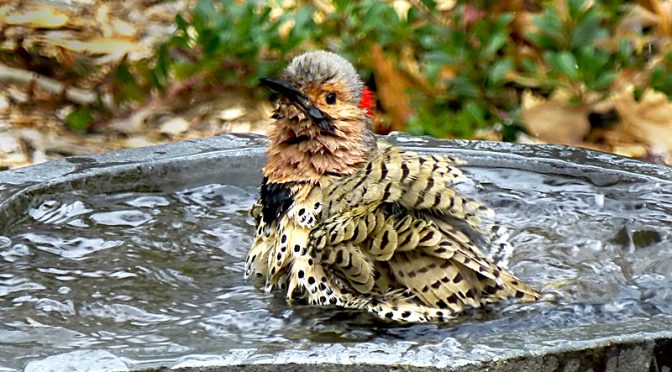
[[276, 198]]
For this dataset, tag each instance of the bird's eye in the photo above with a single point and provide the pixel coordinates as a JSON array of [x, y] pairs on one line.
[[331, 98]]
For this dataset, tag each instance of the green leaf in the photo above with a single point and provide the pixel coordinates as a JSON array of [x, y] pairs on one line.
[[588, 30], [476, 113], [574, 7], [463, 87], [497, 72], [205, 10], [430, 4], [604, 80], [181, 23], [184, 70], [661, 80], [123, 74], [341, 4], [529, 66], [626, 53], [510, 131], [129, 89], [551, 33], [415, 127], [496, 42], [80, 119], [565, 64]]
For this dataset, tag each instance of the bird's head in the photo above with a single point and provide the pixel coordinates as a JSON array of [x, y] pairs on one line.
[[323, 119]]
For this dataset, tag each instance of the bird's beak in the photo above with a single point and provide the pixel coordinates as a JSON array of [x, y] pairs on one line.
[[302, 101]]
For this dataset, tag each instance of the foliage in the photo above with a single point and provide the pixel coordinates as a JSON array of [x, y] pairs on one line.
[[79, 119], [661, 76], [465, 68], [571, 52], [220, 42], [475, 92]]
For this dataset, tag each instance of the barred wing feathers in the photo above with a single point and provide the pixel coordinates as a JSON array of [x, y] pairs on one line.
[[389, 231]]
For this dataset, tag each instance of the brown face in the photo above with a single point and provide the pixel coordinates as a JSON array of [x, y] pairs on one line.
[[333, 99], [328, 105], [295, 97], [318, 130]]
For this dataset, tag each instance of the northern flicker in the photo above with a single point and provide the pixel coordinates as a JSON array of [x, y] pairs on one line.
[[341, 222]]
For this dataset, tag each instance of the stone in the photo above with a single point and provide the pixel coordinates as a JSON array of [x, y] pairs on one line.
[[174, 126], [232, 113]]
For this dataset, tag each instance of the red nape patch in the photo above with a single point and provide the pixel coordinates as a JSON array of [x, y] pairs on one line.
[[367, 102]]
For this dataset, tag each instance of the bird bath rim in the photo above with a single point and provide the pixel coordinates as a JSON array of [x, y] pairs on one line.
[[17, 185]]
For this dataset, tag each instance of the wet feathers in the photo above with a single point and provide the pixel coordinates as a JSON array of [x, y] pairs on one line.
[[383, 239], [341, 222]]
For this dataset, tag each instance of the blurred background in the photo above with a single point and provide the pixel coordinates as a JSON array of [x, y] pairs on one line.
[[85, 76]]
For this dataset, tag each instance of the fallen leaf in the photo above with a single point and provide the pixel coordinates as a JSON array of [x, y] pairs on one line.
[[555, 120], [232, 113], [8, 142], [37, 15], [4, 103], [632, 150], [116, 47], [649, 121], [139, 141], [661, 11], [174, 126], [401, 7], [445, 5], [391, 86], [238, 127], [134, 123]]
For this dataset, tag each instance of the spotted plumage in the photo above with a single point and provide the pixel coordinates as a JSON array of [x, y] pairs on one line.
[[342, 222]]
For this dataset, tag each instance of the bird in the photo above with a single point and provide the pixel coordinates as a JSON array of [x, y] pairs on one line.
[[344, 221]]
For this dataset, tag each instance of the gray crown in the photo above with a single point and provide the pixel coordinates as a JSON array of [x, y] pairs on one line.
[[319, 66]]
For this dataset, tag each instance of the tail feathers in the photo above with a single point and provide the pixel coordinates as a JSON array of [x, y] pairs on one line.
[[436, 282], [355, 266], [517, 289], [401, 307]]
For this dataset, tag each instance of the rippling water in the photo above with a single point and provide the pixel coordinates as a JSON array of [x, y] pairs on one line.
[[157, 276]]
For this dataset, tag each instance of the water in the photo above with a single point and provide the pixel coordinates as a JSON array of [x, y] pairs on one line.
[[155, 277]]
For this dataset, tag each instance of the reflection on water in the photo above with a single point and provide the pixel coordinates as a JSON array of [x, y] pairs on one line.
[[154, 276]]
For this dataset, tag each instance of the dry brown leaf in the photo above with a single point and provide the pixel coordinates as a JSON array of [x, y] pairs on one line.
[[174, 126], [285, 28], [36, 15], [555, 121], [659, 8], [140, 141], [648, 121], [392, 86], [412, 71], [112, 46], [111, 26], [633, 22], [402, 7], [632, 150], [445, 5], [4, 105]]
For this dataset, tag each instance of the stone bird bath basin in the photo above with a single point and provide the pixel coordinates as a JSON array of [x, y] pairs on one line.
[[132, 260]]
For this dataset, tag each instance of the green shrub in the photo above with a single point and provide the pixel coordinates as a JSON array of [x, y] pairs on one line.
[[474, 62]]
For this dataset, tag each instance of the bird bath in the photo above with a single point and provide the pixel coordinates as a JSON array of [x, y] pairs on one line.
[[134, 259]]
